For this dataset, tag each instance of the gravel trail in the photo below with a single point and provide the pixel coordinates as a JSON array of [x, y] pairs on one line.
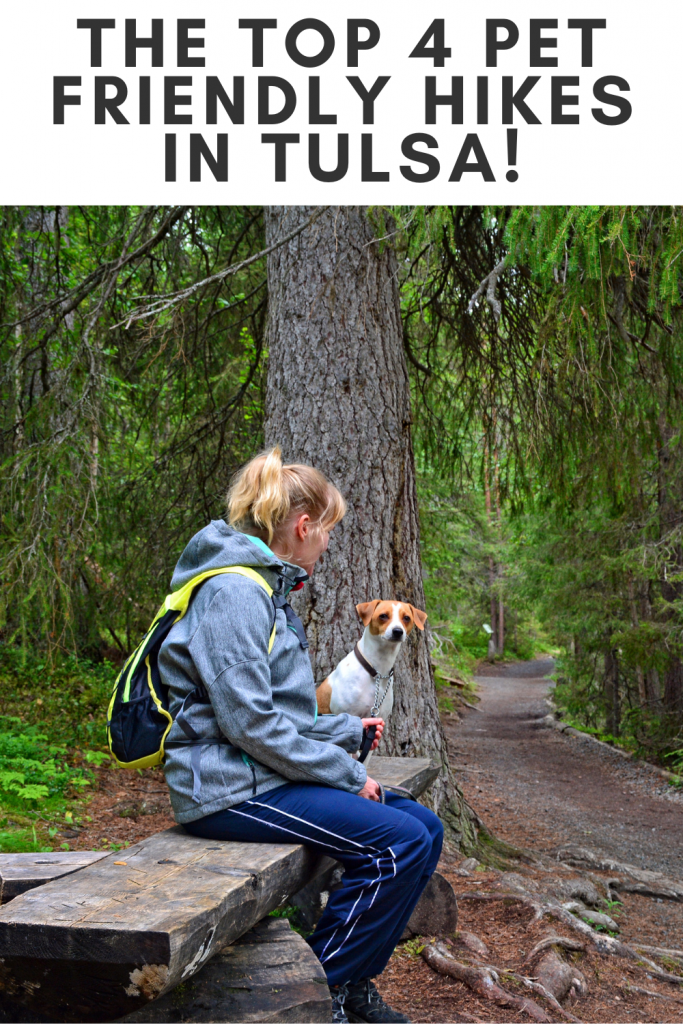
[[538, 788]]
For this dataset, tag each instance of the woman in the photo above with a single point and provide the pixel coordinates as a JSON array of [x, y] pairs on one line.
[[263, 766]]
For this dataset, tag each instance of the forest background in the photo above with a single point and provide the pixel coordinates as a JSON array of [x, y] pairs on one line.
[[544, 352]]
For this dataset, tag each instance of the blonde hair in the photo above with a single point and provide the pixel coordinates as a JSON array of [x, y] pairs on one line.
[[265, 494]]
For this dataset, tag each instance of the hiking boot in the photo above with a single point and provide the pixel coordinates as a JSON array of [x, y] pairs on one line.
[[364, 1003], [339, 994]]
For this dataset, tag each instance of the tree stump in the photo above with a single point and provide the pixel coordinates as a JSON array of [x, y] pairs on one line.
[[437, 910]]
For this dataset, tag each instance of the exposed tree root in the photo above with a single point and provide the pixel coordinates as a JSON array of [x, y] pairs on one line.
[[483, 981], [551, 987], [638, 880], [650, 992], [496, 853], [602, 943], [573, 945], [592, 917], [673, 954], [472, 942], [560, 978]]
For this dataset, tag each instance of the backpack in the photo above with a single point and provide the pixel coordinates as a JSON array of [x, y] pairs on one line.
[[138, 718]]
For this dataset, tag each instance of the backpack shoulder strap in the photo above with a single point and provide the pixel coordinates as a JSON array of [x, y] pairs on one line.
[[179, 600]]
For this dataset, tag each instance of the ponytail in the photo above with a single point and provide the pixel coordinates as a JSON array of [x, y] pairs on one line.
[[265, 494]]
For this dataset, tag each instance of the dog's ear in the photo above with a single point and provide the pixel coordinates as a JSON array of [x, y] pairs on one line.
[[420, 617], [366, 611]]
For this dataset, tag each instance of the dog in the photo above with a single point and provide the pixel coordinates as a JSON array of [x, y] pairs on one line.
[[362, 684]]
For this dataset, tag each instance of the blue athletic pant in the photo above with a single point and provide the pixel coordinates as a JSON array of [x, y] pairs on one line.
[[389, 852]]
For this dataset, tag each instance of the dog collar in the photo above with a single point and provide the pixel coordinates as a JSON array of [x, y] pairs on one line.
[[365, 663]]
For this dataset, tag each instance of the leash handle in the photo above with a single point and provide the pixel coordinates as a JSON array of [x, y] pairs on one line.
[[368, 740], [401, 791]]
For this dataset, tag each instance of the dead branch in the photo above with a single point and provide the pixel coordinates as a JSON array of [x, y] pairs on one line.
[[467, 704], [70, 301], [488, 285], [165, 302]]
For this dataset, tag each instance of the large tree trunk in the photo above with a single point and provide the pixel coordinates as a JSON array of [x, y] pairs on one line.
[[670, 494], [338, 398]]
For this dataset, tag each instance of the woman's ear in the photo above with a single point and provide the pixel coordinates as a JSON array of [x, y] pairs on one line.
[[366, 611], [302, 525], [420, 617]]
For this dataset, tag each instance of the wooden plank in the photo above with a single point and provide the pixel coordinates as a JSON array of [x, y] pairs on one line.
[[20, 872], [416, 774], [269, 974], [113, 936]]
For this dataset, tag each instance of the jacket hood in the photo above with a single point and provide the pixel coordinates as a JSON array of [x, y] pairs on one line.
[[218, 545]]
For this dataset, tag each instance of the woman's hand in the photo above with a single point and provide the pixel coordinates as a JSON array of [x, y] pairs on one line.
[[379, 722], [370, 790]]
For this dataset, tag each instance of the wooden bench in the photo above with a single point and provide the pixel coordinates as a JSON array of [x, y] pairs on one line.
[[101, 942], [20, 872]]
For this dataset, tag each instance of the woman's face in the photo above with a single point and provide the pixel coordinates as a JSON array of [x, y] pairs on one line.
[[302, 543]]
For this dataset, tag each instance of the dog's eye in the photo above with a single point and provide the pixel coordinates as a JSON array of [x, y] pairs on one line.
[[406, 618], [383, 617]]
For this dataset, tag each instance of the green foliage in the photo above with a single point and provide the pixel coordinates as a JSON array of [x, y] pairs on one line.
[[52, 715], [413, 947], [117, 435], [66, 699], [547, 434], [558, 391], [32, 769], [292, 915], [21, 840]]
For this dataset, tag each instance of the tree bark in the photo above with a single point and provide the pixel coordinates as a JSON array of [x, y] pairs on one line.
[[337, 397], [611, 684], [493, 635], [669, 501], [501, 568]]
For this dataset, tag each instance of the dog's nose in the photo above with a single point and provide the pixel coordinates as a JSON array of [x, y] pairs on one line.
[[396, 633]]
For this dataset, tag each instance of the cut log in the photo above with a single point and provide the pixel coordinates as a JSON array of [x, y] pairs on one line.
[[269, 974], [312, 899], [99, 943], [20, 872], [102, 942], [436, 912]]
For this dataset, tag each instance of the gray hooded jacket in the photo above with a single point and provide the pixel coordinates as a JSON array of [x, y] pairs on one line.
[[259, 729]]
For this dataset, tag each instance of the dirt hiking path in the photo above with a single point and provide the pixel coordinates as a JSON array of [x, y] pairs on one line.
[[538, 788]]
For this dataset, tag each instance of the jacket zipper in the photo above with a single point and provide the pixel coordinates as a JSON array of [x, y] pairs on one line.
[[247, 760]]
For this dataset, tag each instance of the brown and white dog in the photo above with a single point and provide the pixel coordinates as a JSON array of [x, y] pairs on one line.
[[362, 682]]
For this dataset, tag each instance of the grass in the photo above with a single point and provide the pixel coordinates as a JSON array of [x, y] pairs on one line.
[[51, 736], [292, 915], [21, 840]]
